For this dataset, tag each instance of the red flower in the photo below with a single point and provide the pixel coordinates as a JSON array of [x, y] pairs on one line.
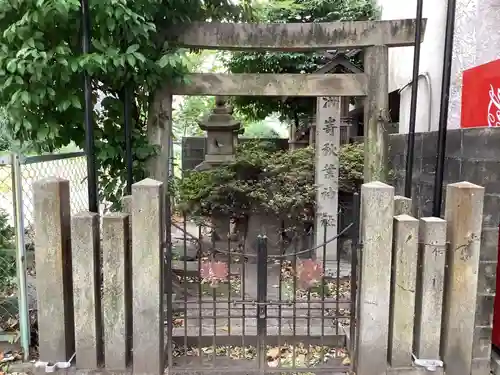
[[214, 272], [309, 273]]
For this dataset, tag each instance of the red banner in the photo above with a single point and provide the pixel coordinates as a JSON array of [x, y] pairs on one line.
[[481, 96]]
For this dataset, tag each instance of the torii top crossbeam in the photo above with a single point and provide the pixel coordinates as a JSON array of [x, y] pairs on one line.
[[294, 36]]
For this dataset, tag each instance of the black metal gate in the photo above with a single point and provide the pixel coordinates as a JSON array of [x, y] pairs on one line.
[[256, 305]]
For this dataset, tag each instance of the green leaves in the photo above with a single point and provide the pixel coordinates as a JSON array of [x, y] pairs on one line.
[[265, 179], [287, 11], [42, 69]]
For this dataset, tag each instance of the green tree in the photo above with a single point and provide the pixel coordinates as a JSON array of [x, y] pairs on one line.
[[188, 112], [262, 178], [287, 11], [41, 68]]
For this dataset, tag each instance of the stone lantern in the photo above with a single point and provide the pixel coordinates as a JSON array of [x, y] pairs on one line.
[[222, 134], [222, 138]]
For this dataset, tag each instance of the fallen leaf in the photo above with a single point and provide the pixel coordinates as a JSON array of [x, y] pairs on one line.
[[346, 361], [273, 363], [178, 322], [274, 352]]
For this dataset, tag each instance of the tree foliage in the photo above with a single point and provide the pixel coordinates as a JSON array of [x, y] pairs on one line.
[[287, 11], [41, 68], [264, 179]]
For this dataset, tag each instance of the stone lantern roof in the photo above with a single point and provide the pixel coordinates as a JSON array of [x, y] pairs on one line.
[[222, 135], [221, 118]]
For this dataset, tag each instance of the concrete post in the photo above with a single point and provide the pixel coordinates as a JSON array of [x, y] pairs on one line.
[[404, 275], [147, 277], [117, 290], [428, 312], [327, 176], [86, 261], [376, 113], [56, 330], [402, 205], [377, 209], [464, 215]]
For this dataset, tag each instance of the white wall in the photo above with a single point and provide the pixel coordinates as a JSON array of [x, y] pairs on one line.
[[431, 61], [476, 41]]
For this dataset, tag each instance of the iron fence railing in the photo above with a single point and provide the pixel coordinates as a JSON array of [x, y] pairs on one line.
[[18, 301]]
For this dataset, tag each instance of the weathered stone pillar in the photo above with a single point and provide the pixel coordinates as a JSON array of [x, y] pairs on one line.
[[376, 113], [54, 286], [147, 277], [86, 262], [404, 275], [160, 134], [377, 210], [327, 176], [117, 290], [402, 205], [464, 215], [428, 313]]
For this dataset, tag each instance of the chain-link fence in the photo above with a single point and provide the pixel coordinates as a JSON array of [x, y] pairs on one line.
[[18, 300]]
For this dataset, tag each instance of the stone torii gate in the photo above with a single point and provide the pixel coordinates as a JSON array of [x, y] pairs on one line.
[[375, 37]]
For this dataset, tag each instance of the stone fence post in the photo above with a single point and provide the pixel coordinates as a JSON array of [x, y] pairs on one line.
[[148, 238], [464, 216], [377, 211], [54, 283]]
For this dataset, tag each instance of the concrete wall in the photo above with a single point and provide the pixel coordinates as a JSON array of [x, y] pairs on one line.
[[474, 44], [471, 155]]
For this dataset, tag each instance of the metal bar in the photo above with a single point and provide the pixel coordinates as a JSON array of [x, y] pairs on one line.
[[127, 103], [336, 341], [337, 292], [294, 307], [89, 108], [304, 234], [185, 281], [49, 157], [280, 290], [229, 287], [443, 110], [24, 319], [243, 370], [331, 302], [200, 294], [243, 284], [413, 103], [354, 270], [323, 286], [169, 281], [214, 305], [261, 297]]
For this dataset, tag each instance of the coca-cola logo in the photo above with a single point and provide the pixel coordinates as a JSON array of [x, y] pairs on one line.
[[494, 107]]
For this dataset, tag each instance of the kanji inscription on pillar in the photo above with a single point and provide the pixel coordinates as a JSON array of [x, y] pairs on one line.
[[327, 176]]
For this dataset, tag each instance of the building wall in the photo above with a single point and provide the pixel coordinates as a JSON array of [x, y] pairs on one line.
[[476, 42], [471, 155]]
